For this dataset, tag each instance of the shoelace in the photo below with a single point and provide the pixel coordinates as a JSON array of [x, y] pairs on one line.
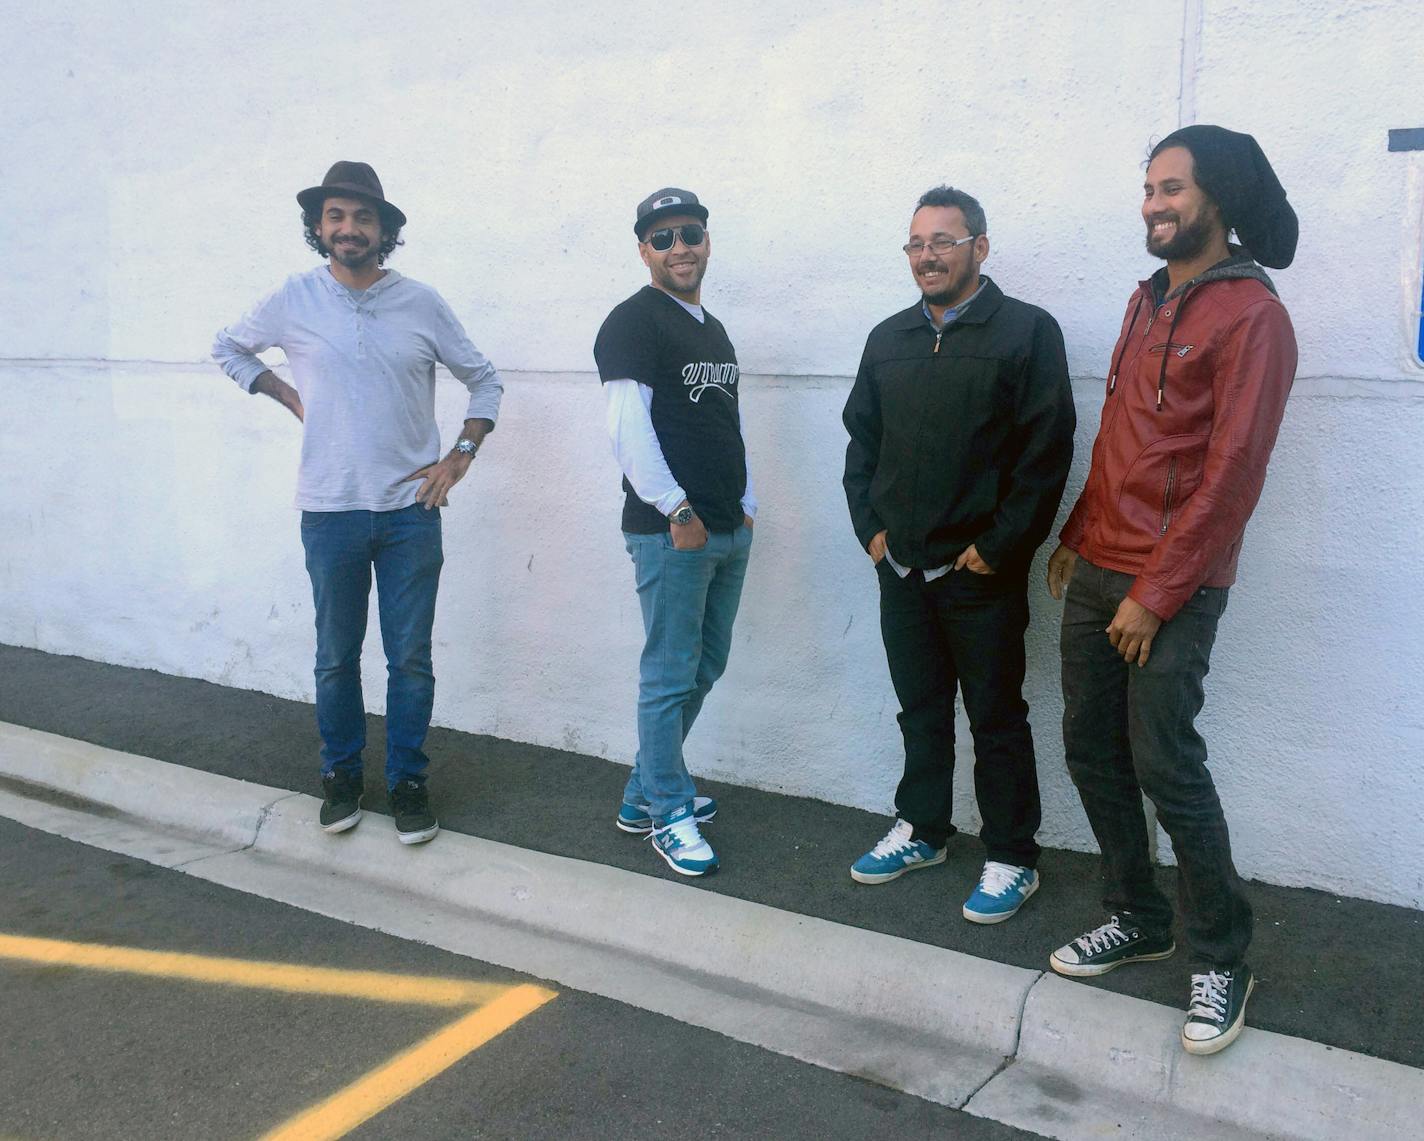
[[1209, 996], [683, 832], [998, 878], [1107, 936], [896, 840]]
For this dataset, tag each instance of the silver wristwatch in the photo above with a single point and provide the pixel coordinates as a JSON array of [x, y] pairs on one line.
[[683, 515], [466, 447]]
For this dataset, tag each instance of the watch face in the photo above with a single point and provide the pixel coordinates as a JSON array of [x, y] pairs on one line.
[[682, 516]]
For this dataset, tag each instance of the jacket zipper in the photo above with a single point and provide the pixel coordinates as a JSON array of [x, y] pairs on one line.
[[1167, 495], [938, 337]]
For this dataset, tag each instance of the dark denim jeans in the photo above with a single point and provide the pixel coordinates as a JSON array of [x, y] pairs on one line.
[[963, 631], [689, 601], [1129, 730], [404, 547]]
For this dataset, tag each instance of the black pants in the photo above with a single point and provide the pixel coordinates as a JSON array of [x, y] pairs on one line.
[[963, 631], [1129, 730]]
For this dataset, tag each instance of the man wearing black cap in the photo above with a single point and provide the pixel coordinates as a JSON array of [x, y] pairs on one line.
[[671, 385], [1195, 396], [961, 434], [362, 342]]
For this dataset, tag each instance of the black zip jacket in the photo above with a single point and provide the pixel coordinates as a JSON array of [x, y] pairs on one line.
[[960, 437]]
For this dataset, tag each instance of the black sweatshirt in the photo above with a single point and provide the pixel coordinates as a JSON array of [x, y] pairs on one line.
[[961, 437]]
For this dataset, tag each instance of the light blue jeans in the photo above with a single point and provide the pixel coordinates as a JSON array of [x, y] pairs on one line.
[[689, 601]]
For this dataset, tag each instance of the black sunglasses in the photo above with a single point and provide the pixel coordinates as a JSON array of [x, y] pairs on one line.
[[692, 236]]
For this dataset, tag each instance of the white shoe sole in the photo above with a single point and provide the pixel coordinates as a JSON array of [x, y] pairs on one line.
[[344, 823], [988, 917], [886, 877], [418, 837], [1226, 1037], [685, 871], [1092, 970]]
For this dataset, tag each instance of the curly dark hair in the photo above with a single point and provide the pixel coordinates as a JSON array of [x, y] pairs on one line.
[[390, 239]]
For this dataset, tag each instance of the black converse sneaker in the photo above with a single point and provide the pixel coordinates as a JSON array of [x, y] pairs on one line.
[[410, 805], [1217, 1009], [1120, 940], [341, 801]]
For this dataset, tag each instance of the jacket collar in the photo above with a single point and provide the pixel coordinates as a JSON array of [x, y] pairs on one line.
[[1239, 264], [989, 300]]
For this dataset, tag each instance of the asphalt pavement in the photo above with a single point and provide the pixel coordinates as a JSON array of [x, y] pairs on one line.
[[1334, 970], [115, 1054]]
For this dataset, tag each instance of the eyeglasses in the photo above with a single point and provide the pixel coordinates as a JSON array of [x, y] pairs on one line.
[[938, 245], [692, 236]]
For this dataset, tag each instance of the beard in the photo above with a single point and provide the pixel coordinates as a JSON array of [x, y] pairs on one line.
[[670, 284], [1188, 241], [952, 290], [354, 256]]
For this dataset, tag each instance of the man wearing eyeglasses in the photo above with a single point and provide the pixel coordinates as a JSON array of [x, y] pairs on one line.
[[671, 384], [961, 432]]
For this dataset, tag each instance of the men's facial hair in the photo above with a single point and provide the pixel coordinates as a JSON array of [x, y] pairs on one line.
[[1186, 243], [354, 256]]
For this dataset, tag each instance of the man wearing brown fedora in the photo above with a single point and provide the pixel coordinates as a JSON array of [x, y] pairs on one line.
[[362, 342]]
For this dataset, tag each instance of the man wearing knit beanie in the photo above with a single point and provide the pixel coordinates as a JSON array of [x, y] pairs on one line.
[[1194, 398]]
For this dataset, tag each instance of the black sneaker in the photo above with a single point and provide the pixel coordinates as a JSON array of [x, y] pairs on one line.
[[410, 805], [1118, 941], [341, 801], [1217, 1009]]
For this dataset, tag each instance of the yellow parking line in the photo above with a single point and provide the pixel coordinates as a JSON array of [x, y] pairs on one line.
[[373, 986], [344, 1110], [498, 1008]]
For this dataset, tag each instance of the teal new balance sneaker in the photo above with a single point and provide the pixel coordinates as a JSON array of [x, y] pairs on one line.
[[1002, 890], [678, 841], [636, 819], [895, 855]]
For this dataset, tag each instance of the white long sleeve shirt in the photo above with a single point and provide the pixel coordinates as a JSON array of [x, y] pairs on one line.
[[628, 415]]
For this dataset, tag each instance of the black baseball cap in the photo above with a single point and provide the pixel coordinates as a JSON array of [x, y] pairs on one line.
[[664, 203]]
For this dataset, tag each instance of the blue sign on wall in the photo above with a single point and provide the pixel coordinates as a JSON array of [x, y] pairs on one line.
[[1412, 139]]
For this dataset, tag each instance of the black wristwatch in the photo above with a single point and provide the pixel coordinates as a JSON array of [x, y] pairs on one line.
[[683, 515]]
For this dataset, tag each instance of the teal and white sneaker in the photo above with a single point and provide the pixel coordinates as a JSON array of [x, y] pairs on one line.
[[635, 818], [1002, 890], [895, 855], [678, 841]]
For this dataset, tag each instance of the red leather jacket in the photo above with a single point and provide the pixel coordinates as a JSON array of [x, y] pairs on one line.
[[1194, 400]]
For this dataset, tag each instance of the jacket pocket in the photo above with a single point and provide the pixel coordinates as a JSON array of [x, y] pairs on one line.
[[1167, 495], [1155, 489]]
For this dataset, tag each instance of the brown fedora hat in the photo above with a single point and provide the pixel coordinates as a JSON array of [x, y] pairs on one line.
[[356, 179]]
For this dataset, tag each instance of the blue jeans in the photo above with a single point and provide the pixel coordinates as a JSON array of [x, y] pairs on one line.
[[404, 547], [1129, 730], [689, 601]]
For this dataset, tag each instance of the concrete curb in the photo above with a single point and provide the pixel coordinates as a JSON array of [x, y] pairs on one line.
[[1076, 1038], [1025, 1048]]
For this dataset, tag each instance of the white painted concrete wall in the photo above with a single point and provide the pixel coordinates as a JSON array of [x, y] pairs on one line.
[[149, 160]]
